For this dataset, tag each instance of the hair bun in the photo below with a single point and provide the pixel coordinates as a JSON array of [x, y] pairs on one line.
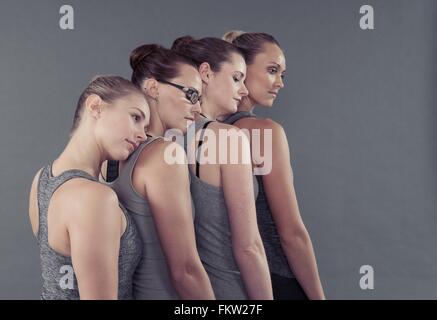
[[139, 54], [181, 41], [230, 36]]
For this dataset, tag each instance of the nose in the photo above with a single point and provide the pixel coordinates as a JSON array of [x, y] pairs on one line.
[[243, 90], [141, 135], [279, 83]]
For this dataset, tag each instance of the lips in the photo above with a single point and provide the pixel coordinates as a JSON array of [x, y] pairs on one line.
[[133, 144], [273, 92]]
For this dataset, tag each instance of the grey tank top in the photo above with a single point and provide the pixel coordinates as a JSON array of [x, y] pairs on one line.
[[59, 279], [276, 258], [152, 277], [213, 235]]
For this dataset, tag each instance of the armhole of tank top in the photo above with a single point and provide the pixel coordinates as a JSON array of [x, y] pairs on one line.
[[128, 221], [132, 168], [38, 233], [198, 147]]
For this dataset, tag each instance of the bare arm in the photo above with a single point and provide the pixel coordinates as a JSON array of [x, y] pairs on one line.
[[282, 200], [94, 230], [168, 193], [237, 180]]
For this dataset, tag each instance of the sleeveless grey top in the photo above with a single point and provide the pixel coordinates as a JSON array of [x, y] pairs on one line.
[[59, 279], [152, 277], [276, 258], [213, 236]]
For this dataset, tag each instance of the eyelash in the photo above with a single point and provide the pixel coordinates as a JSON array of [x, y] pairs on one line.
[[274, 70], [136, 117]]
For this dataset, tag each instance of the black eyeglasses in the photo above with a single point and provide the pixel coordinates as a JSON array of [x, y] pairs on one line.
[[191, 94]]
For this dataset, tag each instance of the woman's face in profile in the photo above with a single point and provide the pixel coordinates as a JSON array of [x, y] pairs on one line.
[[227, 87], [121, 127], [175, 110], [265, 75]]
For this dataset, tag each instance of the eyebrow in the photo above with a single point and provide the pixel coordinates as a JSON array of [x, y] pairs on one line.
[[277, 64], [141, 111]]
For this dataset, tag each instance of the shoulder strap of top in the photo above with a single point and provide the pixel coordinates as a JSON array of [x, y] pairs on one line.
[[205, 123], [239, 115], [133, 158], [112, 169]]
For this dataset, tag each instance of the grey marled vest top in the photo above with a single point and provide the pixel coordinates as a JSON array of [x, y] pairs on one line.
[[213, 235], [59, 279], [152, 277], [276, 258]]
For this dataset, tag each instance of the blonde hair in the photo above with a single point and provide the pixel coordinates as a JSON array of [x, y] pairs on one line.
[[230, 36], [109, 88], [250, 43]]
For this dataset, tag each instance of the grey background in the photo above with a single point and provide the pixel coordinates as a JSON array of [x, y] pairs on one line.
[[359, 109]]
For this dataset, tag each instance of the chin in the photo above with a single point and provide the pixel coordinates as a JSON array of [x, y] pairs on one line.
[[117, 155], [267, 103], [122, 155], [233, 110], [183, 127]]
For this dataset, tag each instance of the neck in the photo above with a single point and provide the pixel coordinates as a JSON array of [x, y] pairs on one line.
[[209, 109], [247, 104], [81, 153], [156, 127]]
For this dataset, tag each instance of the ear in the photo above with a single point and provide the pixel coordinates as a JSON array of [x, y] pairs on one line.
[[94, 104], [205, 72], [150, 87]]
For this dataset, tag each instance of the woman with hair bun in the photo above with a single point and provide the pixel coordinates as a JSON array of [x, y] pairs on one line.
[[288, 246], [89, 246], [227, 236], [155, 192]]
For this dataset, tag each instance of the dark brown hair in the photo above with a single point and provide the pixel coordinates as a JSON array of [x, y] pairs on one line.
[[155, 61], [250, 43], [214, 51]]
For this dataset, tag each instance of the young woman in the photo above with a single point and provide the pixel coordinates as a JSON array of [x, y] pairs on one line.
[[229, 243], [89, 247], [156, 192], [288, 246]]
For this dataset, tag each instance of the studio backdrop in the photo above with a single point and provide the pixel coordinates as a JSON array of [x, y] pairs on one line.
[[358, 108]]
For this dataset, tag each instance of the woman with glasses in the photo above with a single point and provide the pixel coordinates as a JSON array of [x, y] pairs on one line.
[[156, 192], [288, 246], [223, 192], [89, 245]]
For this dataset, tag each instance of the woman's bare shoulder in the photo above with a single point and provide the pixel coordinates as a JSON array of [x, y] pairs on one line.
[[82, 197], [259, 123]]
